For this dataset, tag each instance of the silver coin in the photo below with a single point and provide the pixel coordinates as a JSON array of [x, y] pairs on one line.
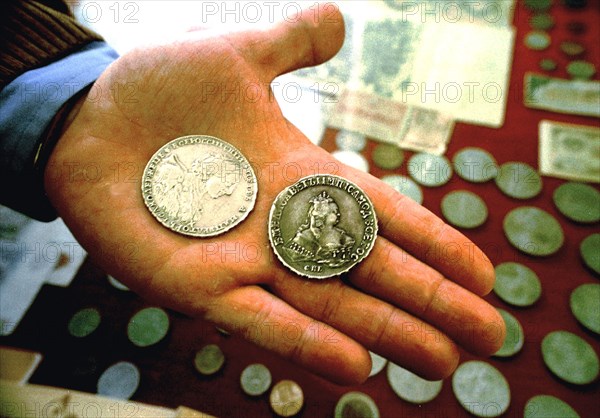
[[405, 185], [322, 225], [255, 379], [410, 387], [377, 363], [199, 185], [119, 381], [350, 141]]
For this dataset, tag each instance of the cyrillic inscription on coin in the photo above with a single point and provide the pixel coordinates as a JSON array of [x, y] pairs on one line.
[[199, 185], [322, 225]]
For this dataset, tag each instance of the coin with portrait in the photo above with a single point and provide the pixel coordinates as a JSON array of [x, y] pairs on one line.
[[322, 225], [199, 185]]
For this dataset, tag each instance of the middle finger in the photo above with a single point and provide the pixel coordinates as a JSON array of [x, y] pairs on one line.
[[394, 275]]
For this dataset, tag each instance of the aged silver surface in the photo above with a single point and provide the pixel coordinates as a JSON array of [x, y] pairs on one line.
[[322, 226], [199, 185]]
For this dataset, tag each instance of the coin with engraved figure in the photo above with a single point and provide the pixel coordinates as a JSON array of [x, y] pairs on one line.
[[322, 225], [199, 185]]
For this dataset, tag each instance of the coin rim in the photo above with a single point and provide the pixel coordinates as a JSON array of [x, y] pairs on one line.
[[269, 380], [398, 389], [441, 158], [503, 168], [356, 394], [581, 312], [144, 311], [525, 250], [285, 263], [244, 215], [132, 368], [484, 179], [449, 214], [556, 368], [566, 210], [407, 179], [510, 300], [481, 364]]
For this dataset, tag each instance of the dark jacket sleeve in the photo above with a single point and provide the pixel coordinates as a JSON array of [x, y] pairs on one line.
[[47, 60], [35, 33]]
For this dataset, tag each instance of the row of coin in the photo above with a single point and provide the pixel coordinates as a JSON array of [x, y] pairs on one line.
[[148, 326], [542, 22], [523, 227], [531, 230]]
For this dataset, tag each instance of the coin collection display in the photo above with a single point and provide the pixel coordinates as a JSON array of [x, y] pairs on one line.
[[534, 217]]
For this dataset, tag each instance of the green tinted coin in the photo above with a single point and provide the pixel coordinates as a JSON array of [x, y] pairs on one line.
[[148, 327], [429, 170], [119, 381], [517, 284], [538, 5], [533, 231], [209, 359], [537, 40], [350, 141], [387, 156], [286, 398], [518, 180], [84, 322], [405, 185], [542, 21], [585, 305], [475, 165], [410, 387], [377, 363], [581, 70], [352, 159], [255, 379], [570, 357], [515, 336], [481, 389], [548, 64], [572, 48], [546, 406], [354, 405], [577, 201], [590, 252], [464, 209]]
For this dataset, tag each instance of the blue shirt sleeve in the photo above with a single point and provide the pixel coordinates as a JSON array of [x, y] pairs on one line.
[[27, 106]]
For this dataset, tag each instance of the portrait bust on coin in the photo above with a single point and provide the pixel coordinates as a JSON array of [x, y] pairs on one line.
[[318, 239], [199, 185], [182, 190], [322, 225]]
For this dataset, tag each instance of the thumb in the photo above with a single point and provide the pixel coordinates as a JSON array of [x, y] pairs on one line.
[[310, 37]]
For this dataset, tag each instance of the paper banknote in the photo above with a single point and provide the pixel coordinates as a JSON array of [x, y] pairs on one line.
[[426, 130], [569, 151], [577, 97], [409, 127], [459, 69]]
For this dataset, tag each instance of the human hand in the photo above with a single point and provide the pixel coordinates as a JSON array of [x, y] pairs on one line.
[[406, 301]]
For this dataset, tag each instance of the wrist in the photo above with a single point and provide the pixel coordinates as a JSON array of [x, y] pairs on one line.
[[59, 124]]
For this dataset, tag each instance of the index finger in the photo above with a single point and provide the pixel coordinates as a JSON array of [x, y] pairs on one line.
[[425, 236]]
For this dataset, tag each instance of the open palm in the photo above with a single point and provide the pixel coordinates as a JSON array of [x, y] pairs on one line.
[[407, 301]]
